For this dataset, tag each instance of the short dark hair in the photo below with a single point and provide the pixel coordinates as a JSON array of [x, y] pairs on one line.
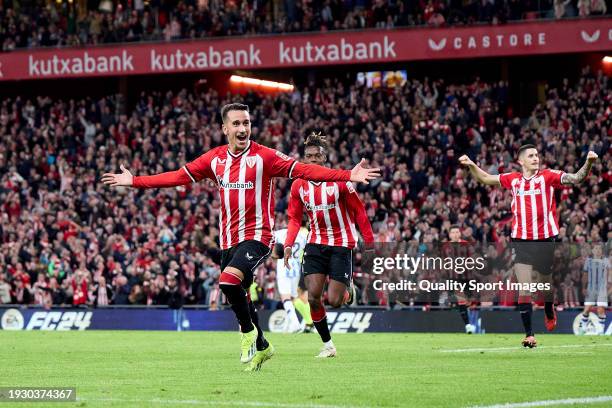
[[316, 140], [454, 226], [523, 148], [232, 107]]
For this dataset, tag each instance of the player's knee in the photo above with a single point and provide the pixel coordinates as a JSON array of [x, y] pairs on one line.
[[335, 302], [314, 302], [229, 283]]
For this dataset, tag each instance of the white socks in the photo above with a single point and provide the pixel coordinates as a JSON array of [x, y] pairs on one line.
[[292, 320], [329, 344]]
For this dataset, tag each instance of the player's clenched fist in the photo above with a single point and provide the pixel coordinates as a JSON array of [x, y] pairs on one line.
[[592, 156], [465, 161]]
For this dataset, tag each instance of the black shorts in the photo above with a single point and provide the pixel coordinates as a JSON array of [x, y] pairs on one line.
[[246, 257], [537, 253], [337, 262]]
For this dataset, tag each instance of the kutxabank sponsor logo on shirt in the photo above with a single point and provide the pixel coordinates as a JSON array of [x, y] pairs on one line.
[[236, 185]]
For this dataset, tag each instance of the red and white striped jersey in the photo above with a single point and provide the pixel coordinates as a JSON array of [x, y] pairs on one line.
[[333, 209], [534, 209], [246, 190]]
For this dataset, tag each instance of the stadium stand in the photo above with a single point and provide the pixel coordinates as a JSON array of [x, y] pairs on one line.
[[65, 238], [68, 24]]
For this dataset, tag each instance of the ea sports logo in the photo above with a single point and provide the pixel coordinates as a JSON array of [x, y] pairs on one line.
[[591, 328], [12, 319], [277, 321]]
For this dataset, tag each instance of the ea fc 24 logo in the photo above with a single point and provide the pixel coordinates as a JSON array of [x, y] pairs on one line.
[[12, 319], [339, 322], [56, 320], [592, 327]]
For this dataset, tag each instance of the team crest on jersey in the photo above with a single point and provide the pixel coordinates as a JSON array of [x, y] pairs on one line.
[[282, 155], [251, 160], [330, 190]]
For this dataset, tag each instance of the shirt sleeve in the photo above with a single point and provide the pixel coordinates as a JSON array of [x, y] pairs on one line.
[[553, 177], [313, 172], [295, 213], [280, 164], [505, 179], [358, 210], [167, 179], [200, 168]]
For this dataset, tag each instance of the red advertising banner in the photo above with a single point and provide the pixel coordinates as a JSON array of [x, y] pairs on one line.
[[534, 38]]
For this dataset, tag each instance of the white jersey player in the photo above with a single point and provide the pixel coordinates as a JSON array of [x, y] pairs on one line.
[[597, 287], [288, 279]]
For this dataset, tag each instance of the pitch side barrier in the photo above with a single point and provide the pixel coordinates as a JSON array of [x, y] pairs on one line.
[[357, 320]]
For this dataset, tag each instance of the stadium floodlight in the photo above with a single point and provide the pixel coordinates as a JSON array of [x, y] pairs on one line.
[[254, 82], [607, 59]]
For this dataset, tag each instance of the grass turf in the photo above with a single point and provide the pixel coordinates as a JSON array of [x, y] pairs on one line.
[[134, 369]]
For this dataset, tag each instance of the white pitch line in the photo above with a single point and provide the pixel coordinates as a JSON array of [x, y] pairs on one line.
[[546, 403], [217, 403], [517, 348]]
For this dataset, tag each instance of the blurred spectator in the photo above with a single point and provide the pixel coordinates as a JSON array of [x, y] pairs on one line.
[[70, 24], [414, 131], [121, 291], [58, 294], [102, 293], [175, 299], [5, 290], [79, 289]]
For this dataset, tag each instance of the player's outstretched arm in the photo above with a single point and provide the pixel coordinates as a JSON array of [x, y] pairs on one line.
[[580, 175], [123, 179], [479, 174], [313, 172], [126, 179]]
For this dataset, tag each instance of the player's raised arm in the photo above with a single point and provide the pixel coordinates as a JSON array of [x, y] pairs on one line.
[[479, 174], [580, 175]]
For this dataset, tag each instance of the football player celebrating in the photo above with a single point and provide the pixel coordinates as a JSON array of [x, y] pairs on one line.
[[333, 209], [244, 172], [534, 223]]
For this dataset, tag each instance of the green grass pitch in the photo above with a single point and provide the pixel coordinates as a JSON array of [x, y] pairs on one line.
[[181, 369]]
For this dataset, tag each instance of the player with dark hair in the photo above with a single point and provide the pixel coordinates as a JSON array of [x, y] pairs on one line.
[[534, 223], [244, 172], [333, 209]]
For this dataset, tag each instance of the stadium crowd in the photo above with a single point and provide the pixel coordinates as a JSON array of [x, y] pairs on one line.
[[65, 238], [66, 24]]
